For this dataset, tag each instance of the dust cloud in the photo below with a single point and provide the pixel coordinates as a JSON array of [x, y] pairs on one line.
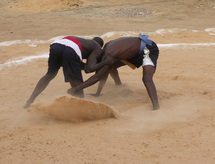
[[75, 109]]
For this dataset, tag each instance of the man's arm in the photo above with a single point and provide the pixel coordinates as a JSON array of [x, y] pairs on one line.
[[114, 74], [92, 80], [96, 61]]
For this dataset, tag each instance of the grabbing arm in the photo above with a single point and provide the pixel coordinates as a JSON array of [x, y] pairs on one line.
[[92, 80], [96, 61]]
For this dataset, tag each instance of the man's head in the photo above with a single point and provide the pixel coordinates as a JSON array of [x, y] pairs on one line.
[[99, 40]]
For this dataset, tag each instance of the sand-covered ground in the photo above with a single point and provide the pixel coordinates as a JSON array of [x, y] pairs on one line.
[[60, 129]]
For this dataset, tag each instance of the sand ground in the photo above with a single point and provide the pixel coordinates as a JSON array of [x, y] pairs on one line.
[[181, 131]]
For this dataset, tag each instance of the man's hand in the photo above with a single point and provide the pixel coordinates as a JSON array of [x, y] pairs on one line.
[[87, 70]]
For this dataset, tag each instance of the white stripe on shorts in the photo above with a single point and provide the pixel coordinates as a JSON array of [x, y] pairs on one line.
[[71, 44]]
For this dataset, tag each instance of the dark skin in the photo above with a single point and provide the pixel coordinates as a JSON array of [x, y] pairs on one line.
[[113, 53], [91, 50]]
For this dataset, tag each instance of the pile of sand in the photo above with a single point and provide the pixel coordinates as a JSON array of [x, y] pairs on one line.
[[75, 109], [45, 5]]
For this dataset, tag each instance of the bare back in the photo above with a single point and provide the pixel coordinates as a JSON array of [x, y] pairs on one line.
[[122, 48]]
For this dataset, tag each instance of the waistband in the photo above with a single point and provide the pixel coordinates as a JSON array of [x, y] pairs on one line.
[[144, 41], [72, 43]]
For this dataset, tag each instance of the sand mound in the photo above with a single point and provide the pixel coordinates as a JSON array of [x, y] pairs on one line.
[[46, 5], [75, 109]]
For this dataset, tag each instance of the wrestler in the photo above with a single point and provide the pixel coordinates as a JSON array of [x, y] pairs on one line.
[[132, 51], [68, 53]]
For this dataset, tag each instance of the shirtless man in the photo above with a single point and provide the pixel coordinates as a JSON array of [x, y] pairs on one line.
[[132, 51], [68, 53]]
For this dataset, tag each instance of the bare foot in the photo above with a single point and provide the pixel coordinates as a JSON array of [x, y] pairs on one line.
[[73, 92], [156, 107]]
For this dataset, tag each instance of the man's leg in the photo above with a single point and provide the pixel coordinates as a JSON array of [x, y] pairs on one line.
[[114, 72], [41, 85], [148, 72], [72, 71], [79, 93], [102, 82], [115, 75]]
